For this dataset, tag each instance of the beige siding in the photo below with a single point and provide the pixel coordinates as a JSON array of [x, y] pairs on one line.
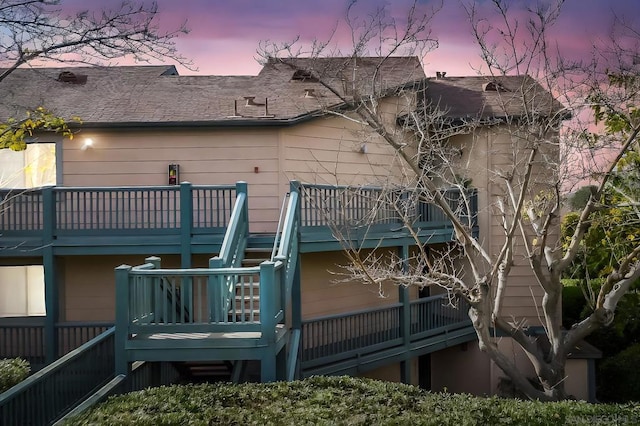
[[205, 158], [334, 150], [88, 292], [321, 296], [461, 368], [483, 155]]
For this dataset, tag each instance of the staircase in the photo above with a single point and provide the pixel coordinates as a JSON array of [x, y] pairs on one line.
[[246, 303]]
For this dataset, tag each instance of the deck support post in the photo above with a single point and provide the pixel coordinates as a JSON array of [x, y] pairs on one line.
[[186, 223], [122, 319], [405, 317], [51, 290]]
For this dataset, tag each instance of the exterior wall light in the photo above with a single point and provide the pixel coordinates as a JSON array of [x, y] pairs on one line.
[[87, 143]]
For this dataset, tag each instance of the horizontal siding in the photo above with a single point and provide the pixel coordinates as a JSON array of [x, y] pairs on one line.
[[88, 290], [328, 151], [205, 157], [321, 296]]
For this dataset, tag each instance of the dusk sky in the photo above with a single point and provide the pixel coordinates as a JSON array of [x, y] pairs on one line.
[[225, 34]]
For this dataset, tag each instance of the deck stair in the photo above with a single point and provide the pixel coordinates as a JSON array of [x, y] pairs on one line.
[[204, 371], [246, 305]]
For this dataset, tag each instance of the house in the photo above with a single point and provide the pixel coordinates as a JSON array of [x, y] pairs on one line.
[[178, 174]]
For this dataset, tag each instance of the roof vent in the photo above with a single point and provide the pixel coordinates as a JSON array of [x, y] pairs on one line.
[[493, 86], [73, 78], [440, 74], [303, 75], [250, 101]]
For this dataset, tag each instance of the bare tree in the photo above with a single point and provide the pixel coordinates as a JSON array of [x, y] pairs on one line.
[[41, 31], [535, 104]]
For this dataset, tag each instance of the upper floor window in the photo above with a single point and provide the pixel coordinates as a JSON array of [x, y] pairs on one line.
[[31, 168]]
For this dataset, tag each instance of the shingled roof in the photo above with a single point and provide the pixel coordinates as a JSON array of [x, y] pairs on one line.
[[131, 95], [480, 97], [284, 92]]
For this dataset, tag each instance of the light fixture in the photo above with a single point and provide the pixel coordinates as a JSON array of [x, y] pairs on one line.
[[88, 143], [364, 149]]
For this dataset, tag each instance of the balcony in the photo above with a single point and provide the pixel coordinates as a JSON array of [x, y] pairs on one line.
[[162, 219], [188, 219]]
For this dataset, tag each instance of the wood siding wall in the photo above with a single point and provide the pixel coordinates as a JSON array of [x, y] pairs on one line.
[[205, 157], [487, 152]]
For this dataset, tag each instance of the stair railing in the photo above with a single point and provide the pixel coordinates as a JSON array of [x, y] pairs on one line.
[[288, 247], [278, 236], [231, 253], [48, 394]]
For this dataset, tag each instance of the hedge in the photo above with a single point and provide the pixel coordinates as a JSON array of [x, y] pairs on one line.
[[12, 372], [341, 401]]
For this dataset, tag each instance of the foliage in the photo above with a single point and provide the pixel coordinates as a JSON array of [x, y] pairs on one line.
[[620, 377], [12, 372], [613, 232], [577, 304], [339, 400], [14, 132]]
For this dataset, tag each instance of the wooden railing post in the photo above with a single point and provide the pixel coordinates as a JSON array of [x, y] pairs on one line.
[[186, 223], [241, 188], [405, 317], [49, 267], [122, 318], [156, 295], [215, 291], [268, 300]]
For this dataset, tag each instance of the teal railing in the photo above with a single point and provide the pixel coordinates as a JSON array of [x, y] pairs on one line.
[[231, 252], [142, 310], [347, 207], [24, 338], [76, 211], [51, 392], [334, 338], [287, 252]]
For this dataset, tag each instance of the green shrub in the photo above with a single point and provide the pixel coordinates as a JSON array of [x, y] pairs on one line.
[[620, 377], [12, 372], [342, 401]]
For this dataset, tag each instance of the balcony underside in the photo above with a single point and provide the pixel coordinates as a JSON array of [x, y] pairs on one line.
[[106, 243]]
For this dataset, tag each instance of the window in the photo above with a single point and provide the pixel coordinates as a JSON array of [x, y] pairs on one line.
[[22, 291], [22, 287], [31, 168]]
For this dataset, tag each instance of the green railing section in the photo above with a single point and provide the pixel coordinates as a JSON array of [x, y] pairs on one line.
[[333, 338], [231, 253], [51, 392], [287, 252], [142, 309], [352, 207], [24, 337], [52, 211]]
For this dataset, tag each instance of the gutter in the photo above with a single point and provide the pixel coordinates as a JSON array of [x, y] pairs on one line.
[[230, 122]]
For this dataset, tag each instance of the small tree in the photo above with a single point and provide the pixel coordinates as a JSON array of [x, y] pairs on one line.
[[524, 191]]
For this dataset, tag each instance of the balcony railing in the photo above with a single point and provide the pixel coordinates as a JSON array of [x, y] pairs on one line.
[[24, 337], [336, 338], [374, 208], [52, 212]]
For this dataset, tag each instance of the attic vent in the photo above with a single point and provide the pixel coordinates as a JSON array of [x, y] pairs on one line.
[[70, 77], [303, 75], [493, 86], [309, 93]]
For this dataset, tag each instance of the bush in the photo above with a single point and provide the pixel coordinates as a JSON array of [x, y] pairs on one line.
[[620, 376], [339, 400], [12, 372]]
